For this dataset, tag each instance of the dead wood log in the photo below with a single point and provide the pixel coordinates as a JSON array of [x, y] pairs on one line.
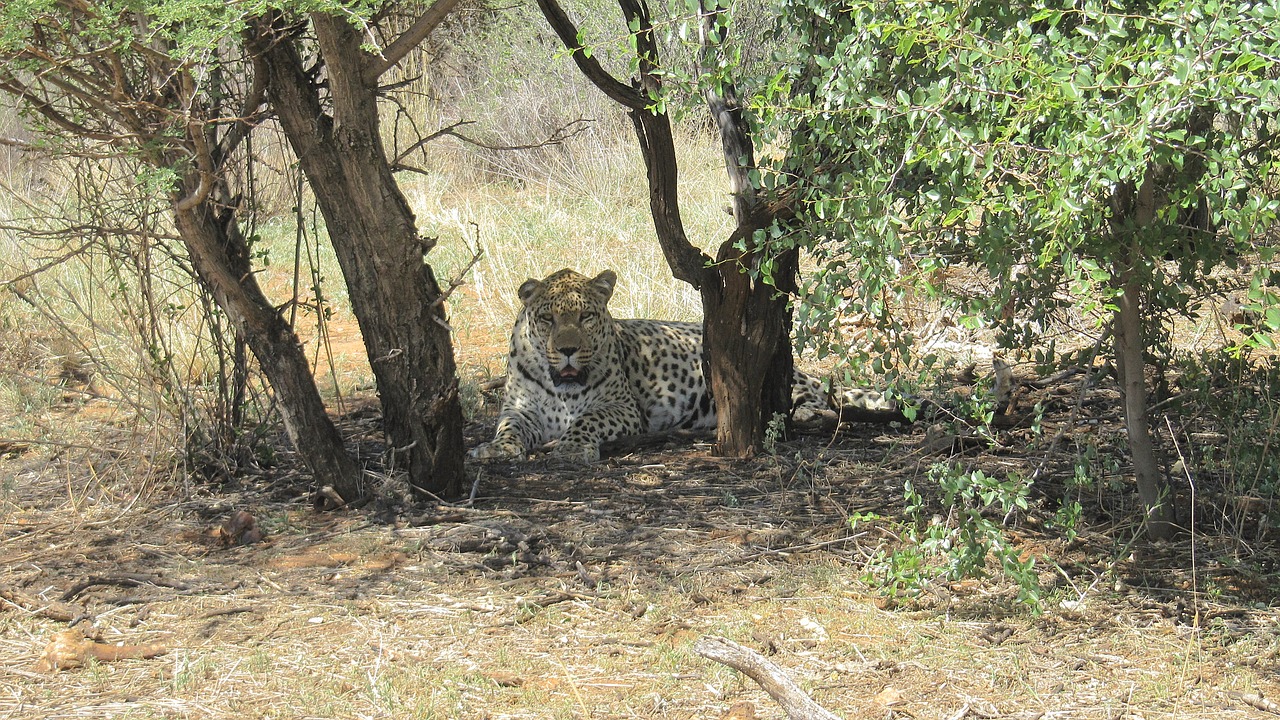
[[771, 678], [72, 649], [52, 610], [1256, 701]]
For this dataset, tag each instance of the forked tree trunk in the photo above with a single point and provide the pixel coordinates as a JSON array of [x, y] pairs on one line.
[[746, 322], [394, 294], [220, 257]]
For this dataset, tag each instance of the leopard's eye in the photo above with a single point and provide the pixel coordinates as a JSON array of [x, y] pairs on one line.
[[588, 316], [545, 318]]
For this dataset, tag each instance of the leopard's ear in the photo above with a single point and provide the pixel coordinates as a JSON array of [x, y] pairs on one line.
[[528, 289], [604, 282]]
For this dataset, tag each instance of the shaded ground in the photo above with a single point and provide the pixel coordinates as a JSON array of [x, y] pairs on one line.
[[566, 592]]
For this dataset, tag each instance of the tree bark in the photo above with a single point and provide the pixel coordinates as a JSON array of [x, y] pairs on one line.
[[394, 294], [746, 321], [1153, 490], [746, 353], [220, 257]]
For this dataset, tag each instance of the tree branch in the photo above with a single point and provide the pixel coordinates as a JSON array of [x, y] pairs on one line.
[[411, 38], [618, 91], [203, 155], [249, 110], [767, 675], [13, 86], [726, 108], [653, 131]]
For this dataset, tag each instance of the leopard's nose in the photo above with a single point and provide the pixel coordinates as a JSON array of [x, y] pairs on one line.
[[568, 351]]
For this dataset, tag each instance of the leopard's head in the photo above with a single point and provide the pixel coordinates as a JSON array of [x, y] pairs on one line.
[[567, 319]]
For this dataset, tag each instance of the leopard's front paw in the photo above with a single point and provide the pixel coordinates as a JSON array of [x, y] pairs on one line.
[[575, 452], [498, 451]]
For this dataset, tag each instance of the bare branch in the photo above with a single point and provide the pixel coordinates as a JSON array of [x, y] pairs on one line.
[[557, 136], [13, 86], [767, 675], [21, 144], [11, 282], [458, 279], [203, 157], [250, 111]]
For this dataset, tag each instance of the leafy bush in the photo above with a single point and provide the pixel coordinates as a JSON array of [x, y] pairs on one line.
[[962, 542]]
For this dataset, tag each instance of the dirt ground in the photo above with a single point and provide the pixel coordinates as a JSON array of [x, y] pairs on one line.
[[573, 593]]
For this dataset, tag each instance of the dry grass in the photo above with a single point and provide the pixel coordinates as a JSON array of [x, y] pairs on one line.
[[579, 594]]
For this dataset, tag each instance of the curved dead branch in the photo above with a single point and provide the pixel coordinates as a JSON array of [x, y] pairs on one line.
[[767, 675]]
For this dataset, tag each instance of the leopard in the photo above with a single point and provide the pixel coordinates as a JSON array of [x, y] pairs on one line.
[[580, 377]]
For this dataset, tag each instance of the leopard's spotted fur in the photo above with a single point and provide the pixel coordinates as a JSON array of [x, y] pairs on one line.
[[577, 375]]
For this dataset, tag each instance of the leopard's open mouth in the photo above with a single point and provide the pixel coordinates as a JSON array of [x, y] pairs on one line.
[[569, 375]]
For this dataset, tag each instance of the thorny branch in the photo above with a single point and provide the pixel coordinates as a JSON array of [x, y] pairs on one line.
[[557, 136], [458, 279]]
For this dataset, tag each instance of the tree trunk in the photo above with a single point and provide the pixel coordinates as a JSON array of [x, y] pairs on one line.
[[746, 354], [1136, 210], [746, 321], [1153, 491], [220, 257], [394, 294]]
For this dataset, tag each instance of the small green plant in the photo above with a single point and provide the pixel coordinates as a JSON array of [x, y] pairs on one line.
[[1067, 519], [961, 543], [774, 431]]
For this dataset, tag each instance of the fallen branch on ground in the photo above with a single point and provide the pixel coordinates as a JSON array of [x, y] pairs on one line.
[[122, 580], [771, 678], [71, 649], [52, 610]]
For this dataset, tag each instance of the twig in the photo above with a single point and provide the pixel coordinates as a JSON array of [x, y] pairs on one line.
[[1055, 378], [1191, 483], [124, 580], [50, 264], [1085, 382], [767, 675], [458, 280], [58, 386], [557, 137], [806, 547], [226, 611]]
